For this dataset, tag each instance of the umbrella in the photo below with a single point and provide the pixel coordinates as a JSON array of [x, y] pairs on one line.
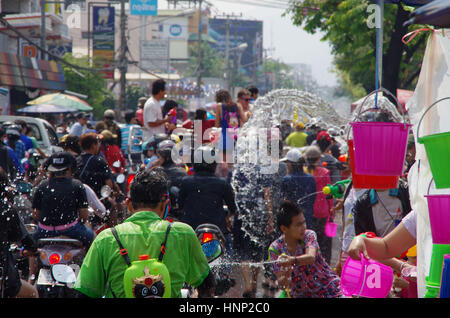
[[63, 100], [45, 109], [436, 13]]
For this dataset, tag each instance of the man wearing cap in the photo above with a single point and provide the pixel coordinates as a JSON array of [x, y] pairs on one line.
[[298, 137], [79, 126], [324, 141], [60, 204], [297, 186], [109, 123]]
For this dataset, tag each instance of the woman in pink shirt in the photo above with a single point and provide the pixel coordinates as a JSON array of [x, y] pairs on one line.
[[322, 205]]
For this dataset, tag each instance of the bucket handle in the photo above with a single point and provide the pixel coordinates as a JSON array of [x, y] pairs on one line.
[[426, 111], [381, 89], [429, 185], [364, 263]]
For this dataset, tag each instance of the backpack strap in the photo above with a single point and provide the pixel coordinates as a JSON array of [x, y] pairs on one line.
[[163, 244], [123, 251]]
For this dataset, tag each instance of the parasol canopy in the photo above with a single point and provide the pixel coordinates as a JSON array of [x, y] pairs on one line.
[[435, 13], [63, 100], [45, 109]]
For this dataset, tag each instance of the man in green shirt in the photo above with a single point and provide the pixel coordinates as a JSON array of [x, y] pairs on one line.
[[298, 137], [103, 268]]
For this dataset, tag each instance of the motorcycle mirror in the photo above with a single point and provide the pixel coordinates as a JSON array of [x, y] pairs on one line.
[[116, 164], [105, 191], [63, 274], [31, 228], [120, 178]]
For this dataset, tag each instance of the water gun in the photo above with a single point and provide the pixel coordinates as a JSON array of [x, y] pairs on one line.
[[336, 190]]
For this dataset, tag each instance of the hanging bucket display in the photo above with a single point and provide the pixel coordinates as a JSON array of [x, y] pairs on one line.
[[439, 212], [437, 147], [361, 181], [330, 228], [380, 147], [366, 278]]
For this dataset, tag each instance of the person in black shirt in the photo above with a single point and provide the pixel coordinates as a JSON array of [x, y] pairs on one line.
[[60, 202], [92, 169], [203, 195], [12, 230]]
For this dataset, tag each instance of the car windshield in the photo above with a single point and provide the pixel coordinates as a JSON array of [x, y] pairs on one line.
[[52, 136]]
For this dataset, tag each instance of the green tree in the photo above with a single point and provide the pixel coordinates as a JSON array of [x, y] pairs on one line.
[[90, 83], [213, 64], [345, 26]]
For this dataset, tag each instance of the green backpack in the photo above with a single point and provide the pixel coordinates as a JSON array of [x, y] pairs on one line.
[[146, 278]]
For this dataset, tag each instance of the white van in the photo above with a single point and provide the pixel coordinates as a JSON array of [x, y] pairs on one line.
[[42, 131]]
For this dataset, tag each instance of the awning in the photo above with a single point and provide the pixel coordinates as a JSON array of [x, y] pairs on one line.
[[27, 72]]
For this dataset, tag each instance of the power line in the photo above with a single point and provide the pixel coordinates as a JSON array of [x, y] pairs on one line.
[[56, 57], [260, 3]]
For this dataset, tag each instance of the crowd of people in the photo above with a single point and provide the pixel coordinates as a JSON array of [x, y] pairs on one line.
[[291, 207]]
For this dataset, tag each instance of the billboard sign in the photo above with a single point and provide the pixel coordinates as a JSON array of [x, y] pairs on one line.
[[155, 55], [103, 38], [144, 7], [240, 32]]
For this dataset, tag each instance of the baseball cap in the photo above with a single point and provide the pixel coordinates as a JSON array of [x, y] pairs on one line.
[[324, 134], [293, 155], [60, 161], [108, 134], [109, 113], [82, 115]]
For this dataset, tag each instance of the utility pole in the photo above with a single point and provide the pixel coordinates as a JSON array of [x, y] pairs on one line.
[[123, 62], [43, 30], [199, 69], [227, 45]]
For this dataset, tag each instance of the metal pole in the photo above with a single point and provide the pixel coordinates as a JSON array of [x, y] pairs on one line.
[[43, 31], [379, 49], [123, 63], [199, 70]]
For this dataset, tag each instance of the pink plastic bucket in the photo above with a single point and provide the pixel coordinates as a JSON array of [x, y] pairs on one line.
[[366, 278], [361, 181], [330, 228], [380, 147], [439, 212]]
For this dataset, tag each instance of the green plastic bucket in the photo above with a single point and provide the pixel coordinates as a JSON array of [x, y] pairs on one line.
[[437, 259], [437, 147]]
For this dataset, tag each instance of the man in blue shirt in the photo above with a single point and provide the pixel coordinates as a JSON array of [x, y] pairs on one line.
[[131, 121], [79, 126], [23, 137], [297, 186]]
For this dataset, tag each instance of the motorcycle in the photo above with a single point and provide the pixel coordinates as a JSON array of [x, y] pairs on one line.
[[212, 242], [55, 252]]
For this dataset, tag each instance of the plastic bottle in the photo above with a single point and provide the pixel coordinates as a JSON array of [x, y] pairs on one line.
[[147, 278]]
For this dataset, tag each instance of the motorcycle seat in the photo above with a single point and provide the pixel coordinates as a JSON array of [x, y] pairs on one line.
[[59, 240]]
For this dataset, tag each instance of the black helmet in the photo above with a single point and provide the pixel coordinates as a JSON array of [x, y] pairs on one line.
[[164, 149], [205, 159], [153, 142], [14, 131]]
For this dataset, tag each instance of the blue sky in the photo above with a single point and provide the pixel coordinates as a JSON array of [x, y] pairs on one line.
[[291, 44]]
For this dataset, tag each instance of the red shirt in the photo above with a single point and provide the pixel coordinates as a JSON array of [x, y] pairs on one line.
[[112, 154], [140, 115]]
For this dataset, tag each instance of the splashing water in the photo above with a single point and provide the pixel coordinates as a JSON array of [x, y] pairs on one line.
[[257, 151]]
